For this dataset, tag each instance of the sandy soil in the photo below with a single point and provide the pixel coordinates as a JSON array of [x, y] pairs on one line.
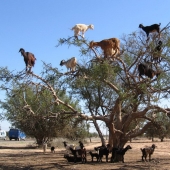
[[15, 155]]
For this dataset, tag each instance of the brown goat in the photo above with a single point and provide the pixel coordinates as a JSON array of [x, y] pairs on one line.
[[110, 47], [29, 59], [147, 151], [81, 152]]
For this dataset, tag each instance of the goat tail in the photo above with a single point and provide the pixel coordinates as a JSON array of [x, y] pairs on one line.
[[141, 149]]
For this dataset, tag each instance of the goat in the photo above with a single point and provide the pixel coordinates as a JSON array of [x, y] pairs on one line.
[[94, 155], [157, 52], [70, 64], [52, 149], [81, 145], [110, 47], [97, 148], [81, 28], [44, 147], [71, 158], [29, 59], [81, 152], [147, 151], [121, 152], [103, 150], [151, 28], [68, 146], [143, 69]]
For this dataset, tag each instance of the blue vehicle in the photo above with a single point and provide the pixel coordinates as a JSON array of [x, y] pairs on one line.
[[16, 134]]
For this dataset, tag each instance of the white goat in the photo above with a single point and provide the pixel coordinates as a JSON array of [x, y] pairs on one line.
[[68, 146], [70, 64], [81, 28]]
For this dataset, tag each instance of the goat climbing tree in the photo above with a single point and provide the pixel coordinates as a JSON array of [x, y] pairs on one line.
[[111, 88]]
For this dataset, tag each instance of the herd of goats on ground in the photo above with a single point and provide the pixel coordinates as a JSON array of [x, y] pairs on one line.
[[110, 48], [79, 153]]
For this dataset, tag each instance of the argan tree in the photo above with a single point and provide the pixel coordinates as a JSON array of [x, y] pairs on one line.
[[36, 119], [111, 89]]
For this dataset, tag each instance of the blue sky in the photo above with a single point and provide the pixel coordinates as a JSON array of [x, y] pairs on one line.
[[37, 25]]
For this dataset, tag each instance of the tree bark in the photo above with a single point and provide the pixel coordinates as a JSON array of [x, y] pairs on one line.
[[99, 132]]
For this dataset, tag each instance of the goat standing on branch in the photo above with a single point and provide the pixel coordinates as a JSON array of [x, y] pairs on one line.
[[70, 64], [81, 28], [29, 59], [151, 28], [110, 47], [144, 69], [157, 52]]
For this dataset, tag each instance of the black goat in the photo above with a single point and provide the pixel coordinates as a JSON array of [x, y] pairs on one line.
[[103, 150], [157, 52], [158, 47], [97, 148], [147, 151], [121, 152], [94, 155], [81, 144], [71, 158], [151, 28], [52, 149], [143, 69], [29, 59]]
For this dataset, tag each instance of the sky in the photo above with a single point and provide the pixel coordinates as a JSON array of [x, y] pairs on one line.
[[37, 25]]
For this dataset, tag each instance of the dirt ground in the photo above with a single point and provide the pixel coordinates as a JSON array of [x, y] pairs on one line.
[[16, 155]]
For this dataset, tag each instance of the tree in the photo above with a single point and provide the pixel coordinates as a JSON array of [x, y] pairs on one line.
[[113, 92], [39, 123], [160, 128], [111, 88]]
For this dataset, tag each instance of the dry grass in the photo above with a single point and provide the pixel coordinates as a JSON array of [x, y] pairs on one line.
[[17, 155]]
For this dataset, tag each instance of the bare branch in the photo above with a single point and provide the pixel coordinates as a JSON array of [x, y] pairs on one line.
[[111, 85]]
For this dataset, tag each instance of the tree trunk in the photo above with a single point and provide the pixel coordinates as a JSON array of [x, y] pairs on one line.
[[99, 132]]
